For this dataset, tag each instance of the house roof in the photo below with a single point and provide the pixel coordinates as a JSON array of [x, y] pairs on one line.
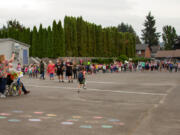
[[169, 53], [13, 40], [141, 46], [177, 53]]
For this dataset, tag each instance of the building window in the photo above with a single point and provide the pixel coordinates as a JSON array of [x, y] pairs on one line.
[[139, 52], [25, 57]]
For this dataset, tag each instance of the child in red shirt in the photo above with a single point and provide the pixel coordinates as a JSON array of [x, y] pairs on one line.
[[51, 70]]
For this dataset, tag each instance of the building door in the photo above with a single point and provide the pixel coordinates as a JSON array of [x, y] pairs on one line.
[[25, 57]]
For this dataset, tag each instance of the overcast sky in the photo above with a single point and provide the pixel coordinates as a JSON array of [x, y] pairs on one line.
[[104, 12]]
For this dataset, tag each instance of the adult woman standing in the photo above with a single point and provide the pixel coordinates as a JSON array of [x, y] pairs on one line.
[[3, 73]]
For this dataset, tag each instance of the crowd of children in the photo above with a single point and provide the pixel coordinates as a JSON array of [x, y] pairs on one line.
[[71, 70]]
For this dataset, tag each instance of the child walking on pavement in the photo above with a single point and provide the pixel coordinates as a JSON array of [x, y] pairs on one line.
[[81, 78]]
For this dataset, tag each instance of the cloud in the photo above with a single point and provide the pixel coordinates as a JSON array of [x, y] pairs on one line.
[[105, 12]]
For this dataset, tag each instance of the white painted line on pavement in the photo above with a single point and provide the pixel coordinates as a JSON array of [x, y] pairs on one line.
[[118, 83], [105, 82], [165, 96], [100, 90]]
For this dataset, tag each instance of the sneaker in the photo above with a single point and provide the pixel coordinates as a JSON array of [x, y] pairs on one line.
[[2, 96], [62, 81], [27, 92]]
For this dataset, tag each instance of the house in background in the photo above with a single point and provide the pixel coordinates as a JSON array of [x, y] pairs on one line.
[[21, 50], [142, 50]]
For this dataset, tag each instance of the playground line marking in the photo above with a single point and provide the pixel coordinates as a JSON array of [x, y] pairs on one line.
[[100, 90]]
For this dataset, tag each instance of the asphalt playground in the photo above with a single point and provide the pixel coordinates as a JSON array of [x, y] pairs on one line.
[[113, 104]]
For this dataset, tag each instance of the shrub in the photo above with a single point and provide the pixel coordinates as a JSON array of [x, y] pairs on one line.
[[102, 61], [122, 58], [140, 59]]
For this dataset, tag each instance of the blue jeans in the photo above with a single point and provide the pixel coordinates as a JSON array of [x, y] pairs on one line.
[[3, 82], [23, 87], [51, 75], [21, 84], [42, 75]]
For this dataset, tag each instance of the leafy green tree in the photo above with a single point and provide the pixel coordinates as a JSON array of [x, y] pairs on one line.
[[149, 34], [169, 35]]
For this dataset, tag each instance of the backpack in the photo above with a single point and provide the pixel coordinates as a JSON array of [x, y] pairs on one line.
[[80, 76]]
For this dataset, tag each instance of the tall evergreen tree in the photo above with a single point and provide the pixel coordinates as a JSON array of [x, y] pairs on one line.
[[128, 28], [81, 37], [99, 45], [60, 39], [45, 43], [149, 34], [67, 36], [49, 43], [34, 42], [55, 40], [40, 48], [94, 47], [77, 38], [125, 28], [73, 36]]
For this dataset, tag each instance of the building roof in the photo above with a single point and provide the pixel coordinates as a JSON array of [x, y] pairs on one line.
[[13, 40], [141, 46], [177, 53], [169, 53]]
